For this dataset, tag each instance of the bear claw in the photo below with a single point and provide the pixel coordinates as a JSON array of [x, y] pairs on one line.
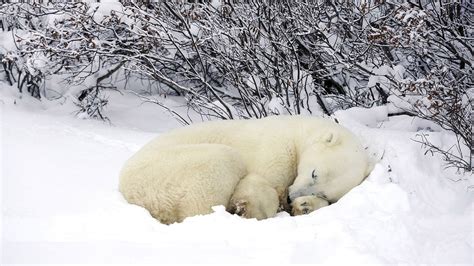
[[240, 208]]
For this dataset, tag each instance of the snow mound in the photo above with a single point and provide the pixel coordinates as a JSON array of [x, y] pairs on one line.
[[61, 203]]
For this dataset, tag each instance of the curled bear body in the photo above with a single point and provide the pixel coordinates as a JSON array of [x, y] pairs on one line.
[[245, 165]]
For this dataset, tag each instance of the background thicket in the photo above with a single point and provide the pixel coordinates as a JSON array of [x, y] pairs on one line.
[[241, 59]]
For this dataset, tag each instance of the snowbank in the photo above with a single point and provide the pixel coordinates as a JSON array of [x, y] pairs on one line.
[[61, 203]]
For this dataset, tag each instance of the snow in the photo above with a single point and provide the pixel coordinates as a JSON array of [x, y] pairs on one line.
[[104, 8], [216, 3], [60, 202], [6, 42]]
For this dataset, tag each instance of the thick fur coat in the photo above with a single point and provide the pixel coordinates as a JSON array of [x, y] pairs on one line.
[[245, 165]]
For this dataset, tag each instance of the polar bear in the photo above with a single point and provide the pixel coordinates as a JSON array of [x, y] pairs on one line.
[[245, 165]]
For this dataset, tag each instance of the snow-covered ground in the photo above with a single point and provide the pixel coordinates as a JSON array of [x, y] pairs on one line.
[[60, 202]]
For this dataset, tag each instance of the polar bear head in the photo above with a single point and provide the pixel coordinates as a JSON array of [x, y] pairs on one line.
[[330, 165]]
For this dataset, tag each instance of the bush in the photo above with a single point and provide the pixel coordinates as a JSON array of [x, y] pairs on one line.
[[232, 59]]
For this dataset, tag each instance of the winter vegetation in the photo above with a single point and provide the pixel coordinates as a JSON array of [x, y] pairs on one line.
[[243, 59], [397, 73]]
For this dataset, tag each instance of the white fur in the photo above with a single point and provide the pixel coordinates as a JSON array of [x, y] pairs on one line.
[[245, 165], [306, 204]]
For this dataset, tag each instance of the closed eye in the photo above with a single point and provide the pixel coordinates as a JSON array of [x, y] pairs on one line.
[[314, 175]]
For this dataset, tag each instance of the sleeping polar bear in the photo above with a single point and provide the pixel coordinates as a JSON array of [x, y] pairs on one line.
[[245, 165]]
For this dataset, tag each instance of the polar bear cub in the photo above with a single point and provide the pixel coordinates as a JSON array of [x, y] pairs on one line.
[[245, 165]]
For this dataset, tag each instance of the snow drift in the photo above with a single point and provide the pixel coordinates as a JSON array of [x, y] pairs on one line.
[[60, 202]]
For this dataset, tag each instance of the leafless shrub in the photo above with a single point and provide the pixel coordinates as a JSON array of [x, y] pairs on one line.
[[257, 58], [435, 41]]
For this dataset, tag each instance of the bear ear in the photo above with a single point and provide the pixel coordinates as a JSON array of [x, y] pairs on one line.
[[330, 139]]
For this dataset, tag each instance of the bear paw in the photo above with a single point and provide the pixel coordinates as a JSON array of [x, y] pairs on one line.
[[239, 207], [306, 204]]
